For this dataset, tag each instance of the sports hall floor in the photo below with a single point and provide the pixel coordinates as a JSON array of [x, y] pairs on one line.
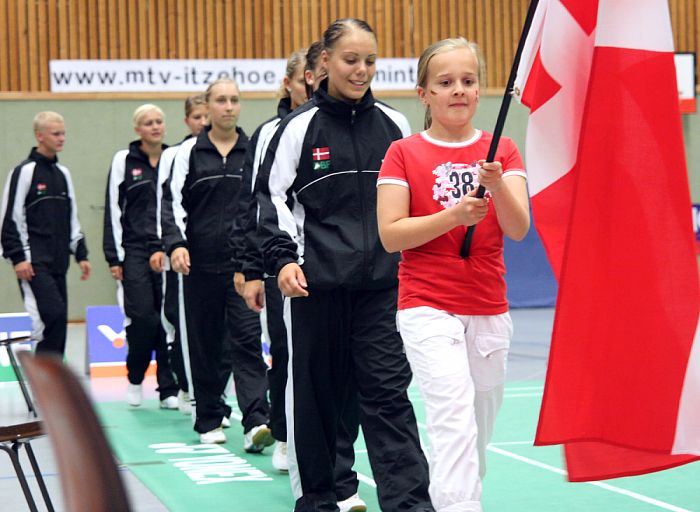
[[164, 470]]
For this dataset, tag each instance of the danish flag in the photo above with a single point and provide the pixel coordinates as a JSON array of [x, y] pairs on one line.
[[623, 383], [321, 154]]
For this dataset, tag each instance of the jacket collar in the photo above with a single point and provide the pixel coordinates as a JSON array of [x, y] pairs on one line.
[[38, 157], [284, 108], [203, 141], [136, 151], [338, 107]]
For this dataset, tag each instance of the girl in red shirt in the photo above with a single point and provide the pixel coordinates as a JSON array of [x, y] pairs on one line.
[[453, 313]]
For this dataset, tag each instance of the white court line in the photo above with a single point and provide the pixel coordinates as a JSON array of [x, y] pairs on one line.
[[362, 478], [493, 448], [607, 487], [520, 395], [525, 388]]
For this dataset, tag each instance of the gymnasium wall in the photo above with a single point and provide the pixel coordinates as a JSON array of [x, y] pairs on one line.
[[96, 129]]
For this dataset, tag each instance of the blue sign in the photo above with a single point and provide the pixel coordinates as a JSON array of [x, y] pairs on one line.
[[106, 336], [13, 325]]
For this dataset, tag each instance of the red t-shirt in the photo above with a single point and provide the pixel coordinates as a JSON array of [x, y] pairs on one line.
[[438, 174]]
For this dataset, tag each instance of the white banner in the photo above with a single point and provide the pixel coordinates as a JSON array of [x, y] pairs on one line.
[[263, 75]]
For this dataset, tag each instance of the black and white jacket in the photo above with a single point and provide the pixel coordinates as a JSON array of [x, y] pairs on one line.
[[130, 205], [200, 202], [245, 238], [317, 192], [39, 216]]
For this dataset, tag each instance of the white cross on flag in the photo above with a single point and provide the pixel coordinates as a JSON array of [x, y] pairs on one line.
[[321, 154]]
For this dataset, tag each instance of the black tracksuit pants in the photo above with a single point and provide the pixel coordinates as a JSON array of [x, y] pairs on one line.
[[346, 482], [341, 337], [171, 323], [223, 335], [46, 300], [142, 291]]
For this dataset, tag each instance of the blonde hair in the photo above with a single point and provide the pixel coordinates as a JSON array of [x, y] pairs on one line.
[[442, 46], [43, 118], [296, 59], [218, 81], [193, 102], [141, 111]]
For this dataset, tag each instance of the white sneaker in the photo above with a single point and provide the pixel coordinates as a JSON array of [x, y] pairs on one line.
[[279, 457], [353, 504], [257, 438], [215, 436], [225, 422], [183, 402], [169, 403], [134, 394]]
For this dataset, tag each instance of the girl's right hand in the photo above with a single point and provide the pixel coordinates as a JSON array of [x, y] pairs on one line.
[[180, 260], [291, 281], [470, 209]]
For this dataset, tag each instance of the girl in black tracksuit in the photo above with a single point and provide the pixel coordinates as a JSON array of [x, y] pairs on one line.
[[129, 240], [318, 233], [198, 211], [270, 305], [196, 118]]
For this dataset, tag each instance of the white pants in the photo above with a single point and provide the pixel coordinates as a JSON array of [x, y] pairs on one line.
[[460, 365]]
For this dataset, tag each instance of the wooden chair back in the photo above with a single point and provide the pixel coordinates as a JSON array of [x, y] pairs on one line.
[[86, 466]]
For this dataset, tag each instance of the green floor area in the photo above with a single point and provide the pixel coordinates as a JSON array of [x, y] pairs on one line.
[[161, 449]]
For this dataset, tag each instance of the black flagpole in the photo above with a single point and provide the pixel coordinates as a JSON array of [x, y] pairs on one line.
[[501, 121]]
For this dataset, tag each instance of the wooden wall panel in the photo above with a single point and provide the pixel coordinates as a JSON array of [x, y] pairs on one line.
[[36, 31]]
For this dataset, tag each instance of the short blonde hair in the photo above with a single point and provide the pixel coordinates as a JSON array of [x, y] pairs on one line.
[[141, 111], [44, 118]]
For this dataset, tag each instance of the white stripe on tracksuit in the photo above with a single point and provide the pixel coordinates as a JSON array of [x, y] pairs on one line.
[[282, 174], [116, 178], [294, 478], [18, 214], [32, 308]]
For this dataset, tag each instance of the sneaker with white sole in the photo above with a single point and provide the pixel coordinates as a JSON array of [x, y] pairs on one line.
[[257, 438], [353, 504], [279, 457], [225, 422], [183, 402], [169, 403], [215, 436], [134, 394]]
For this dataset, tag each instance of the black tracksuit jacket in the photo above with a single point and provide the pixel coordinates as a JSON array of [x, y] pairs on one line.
[[245, 237], [39, 217], [130, 205], [317, 192], [200, 202]]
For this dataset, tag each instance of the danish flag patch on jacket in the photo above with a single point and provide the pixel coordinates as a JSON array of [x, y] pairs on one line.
[[319, 154]]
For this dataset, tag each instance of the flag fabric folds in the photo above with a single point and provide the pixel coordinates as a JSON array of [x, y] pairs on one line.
[[611, 200]]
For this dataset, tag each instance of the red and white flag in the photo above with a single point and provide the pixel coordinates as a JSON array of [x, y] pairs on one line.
[[611, 201], [319, 154]]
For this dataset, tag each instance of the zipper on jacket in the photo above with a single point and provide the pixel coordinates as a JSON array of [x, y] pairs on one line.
[[221, 211], [363, 207]]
